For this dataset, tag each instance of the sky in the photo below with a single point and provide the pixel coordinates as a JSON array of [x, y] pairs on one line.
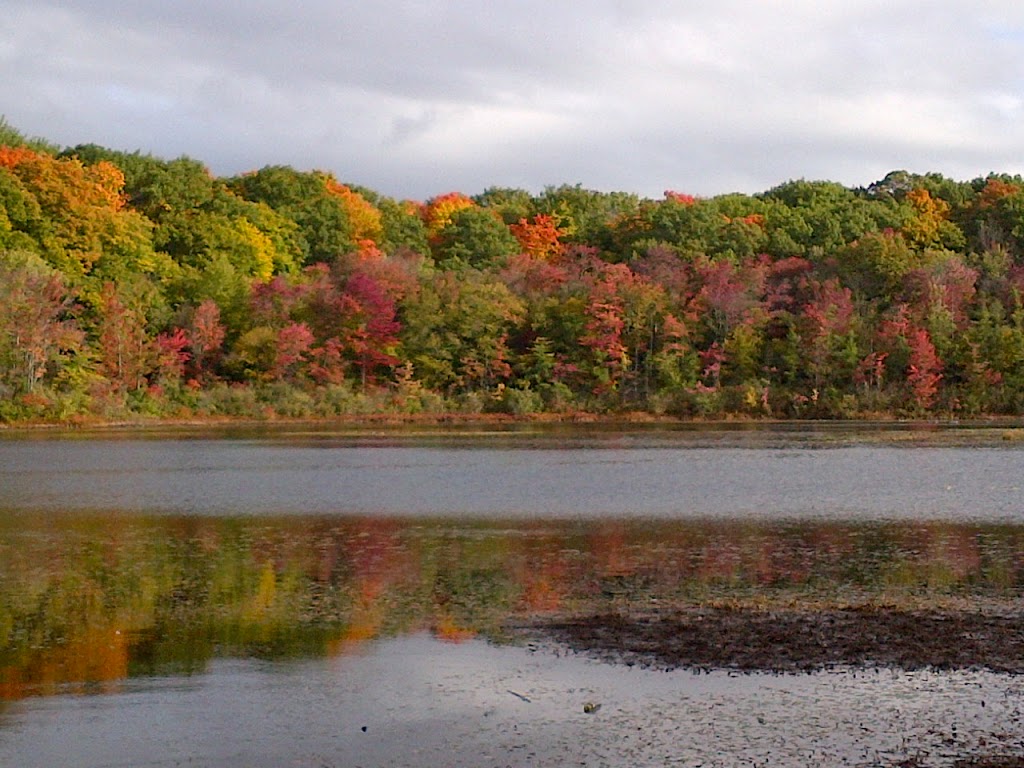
[[415, 99]]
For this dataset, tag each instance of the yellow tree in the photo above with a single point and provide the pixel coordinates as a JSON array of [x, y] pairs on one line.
[[928, 225], [363, 216], [90, 230], [438, 212]]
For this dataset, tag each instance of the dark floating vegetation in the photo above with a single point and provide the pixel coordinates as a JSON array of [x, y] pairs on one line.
[[786, 640], [134, 288]]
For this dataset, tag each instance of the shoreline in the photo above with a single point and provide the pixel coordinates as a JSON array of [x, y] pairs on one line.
[[577, 418]]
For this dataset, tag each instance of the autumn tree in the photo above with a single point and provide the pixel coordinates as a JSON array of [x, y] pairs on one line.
[[603, 332], [830, 351], [364, 218], [924, 371], [124, 274], [205, 335], [170, 356], [353, 318], [730, 295], [125, 355], [373, 327], [994, 220], [39, 334], [88, 231], [438, 212], [626, 318], [588, 217], [540, 237], [927, 224]]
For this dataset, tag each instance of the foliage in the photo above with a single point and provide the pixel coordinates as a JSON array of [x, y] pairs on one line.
[[473, 237], [133, 284], [314, 202], [39, 335]]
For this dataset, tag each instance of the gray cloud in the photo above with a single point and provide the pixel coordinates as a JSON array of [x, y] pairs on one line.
[[417, 98]]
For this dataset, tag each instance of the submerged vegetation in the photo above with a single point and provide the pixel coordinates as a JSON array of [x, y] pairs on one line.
[[132, 287]]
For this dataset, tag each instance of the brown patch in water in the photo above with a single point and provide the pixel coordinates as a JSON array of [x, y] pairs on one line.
[[797, 640]]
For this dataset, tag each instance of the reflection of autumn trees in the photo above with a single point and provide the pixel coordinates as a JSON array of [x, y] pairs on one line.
[[94, 662], [86, 602]]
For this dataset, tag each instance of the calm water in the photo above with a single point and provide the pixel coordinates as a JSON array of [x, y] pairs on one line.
[[318, 599], [793, 474], [427, 704]]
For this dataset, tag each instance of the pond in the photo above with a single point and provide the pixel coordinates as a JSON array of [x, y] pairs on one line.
[[794, 472], [326, 598]]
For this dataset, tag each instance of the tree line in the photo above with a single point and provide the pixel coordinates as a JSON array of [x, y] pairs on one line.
[[131, 285]]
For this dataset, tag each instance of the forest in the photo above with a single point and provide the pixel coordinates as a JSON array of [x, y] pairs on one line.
[[134, 287]]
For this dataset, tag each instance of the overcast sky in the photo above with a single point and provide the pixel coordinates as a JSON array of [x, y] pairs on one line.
[[415, 99]]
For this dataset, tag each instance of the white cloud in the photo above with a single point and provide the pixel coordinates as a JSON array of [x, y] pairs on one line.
[[416, 98]]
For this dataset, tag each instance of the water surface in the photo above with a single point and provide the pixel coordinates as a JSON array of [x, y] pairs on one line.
[[415, 701], [263, 597], [811, 473]]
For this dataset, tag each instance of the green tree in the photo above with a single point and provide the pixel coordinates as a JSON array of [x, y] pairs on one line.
[[456, 332], [197, 216], [305, 198], [589, 217], [824, 216], [511, 205], [475, 237], [22, 224], [403, 227]]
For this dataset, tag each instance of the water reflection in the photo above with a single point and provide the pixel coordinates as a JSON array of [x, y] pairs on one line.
[[88, 601]]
